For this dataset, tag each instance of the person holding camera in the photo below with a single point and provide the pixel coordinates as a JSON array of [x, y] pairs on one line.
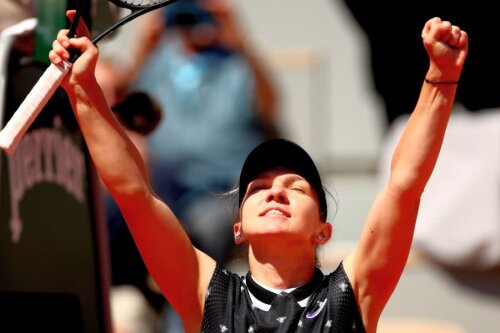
[[218, 103]]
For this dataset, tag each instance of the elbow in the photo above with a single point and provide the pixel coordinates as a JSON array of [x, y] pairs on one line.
[[407, 185], [129, 193], [409, 179]]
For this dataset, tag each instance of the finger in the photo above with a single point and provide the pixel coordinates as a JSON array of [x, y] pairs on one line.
[[209, 5], [84, 45], [217, 7], [464, 39], [443, 31], [60, 50], [70, 14], [454, 36], [428, 25], [55, 58], [62, 37]]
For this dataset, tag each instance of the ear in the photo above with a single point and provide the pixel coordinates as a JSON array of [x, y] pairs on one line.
[[238, 233], [324, 233]]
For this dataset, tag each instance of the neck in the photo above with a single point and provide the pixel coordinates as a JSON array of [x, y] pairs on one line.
[[283, 270]]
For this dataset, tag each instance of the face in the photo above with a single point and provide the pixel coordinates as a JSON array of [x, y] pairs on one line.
[[281, 202], [202, 36]]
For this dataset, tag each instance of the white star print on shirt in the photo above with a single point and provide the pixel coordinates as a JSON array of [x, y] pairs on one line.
[[223, 328], [281, 319]]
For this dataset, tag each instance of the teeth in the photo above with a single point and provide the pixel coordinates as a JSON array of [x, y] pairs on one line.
[[275, 212]]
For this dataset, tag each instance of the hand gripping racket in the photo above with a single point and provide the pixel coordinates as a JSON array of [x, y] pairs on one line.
[[50, 80]]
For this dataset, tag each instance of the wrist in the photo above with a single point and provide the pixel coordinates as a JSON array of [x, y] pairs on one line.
[[437, 82], [437, 76]]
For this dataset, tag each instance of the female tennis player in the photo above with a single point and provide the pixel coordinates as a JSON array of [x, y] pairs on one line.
[[282, 213]]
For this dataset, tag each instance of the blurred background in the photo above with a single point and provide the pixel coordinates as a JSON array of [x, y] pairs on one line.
[[346, 74], [322, 59]]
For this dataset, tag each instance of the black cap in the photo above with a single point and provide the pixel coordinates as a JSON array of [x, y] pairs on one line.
[[282, 153]]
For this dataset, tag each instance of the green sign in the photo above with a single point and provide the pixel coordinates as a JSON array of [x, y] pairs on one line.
[[53, 272], [51, 15]]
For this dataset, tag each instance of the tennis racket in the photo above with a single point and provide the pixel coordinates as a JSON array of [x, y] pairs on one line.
[[50, 80]]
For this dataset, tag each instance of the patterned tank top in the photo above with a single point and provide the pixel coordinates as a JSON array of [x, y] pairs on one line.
[[331, 306]]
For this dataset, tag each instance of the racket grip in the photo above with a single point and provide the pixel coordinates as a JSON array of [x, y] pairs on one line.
[[29, 109]]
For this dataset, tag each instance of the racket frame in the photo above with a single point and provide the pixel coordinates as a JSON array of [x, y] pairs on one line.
[[38, 97]]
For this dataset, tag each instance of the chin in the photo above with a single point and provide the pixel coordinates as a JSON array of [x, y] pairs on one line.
[[279, 234], [275, 226]]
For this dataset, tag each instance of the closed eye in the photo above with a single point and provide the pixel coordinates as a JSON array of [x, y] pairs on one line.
[[255, 187], [298, 189]]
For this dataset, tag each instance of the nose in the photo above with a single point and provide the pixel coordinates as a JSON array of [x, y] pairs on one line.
[[278, 194]]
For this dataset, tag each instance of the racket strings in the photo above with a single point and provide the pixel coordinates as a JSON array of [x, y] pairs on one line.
[[142, 3]]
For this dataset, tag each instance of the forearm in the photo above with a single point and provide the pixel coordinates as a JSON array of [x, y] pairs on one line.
[[387, 236], [377, 262], [417, 151], [114, 155]]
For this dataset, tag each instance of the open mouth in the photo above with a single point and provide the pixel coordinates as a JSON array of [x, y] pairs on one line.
[[275, 212]]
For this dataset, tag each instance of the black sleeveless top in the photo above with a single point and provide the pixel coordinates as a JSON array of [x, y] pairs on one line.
[[331, 307]]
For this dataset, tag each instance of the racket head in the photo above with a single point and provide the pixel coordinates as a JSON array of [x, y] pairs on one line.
[[135, 5]]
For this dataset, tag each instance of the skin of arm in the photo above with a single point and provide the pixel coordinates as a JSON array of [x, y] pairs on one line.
[[376, 264], [181, 271]]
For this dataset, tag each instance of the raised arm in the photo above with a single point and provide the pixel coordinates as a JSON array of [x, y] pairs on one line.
[[181, 271], [376, 264]]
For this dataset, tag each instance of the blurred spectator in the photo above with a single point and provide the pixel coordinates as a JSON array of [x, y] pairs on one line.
[[13, 11], [218, 104]]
